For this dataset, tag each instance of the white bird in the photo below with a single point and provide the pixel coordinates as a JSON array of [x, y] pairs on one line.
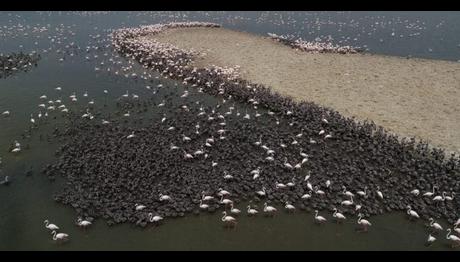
[[452, 238], [415, 192], [233, 210], [347, 193], [429, 194], [450, 198], [412, 213], [292, 183], [83, 223], [435, 225], [337, 215], [269, 209], [280, 185], [203, 206], [58, 88], [227, 176], [127, 114], [185, 138], [206, 198], [328, 183], [59, 236], [164, 197], [306, 195], [155, 219], [6, 113], [131, 135], [456, 229], [347, 202], [321, 132], [379, 193], [43, 97], [225, 201], [252, 211], [222, 192], [286, 164], [362, 193], [430, 239], [318, 191], [289, 207], [139, 207], [319, 219], [363, 222], [261, 192], [50, 226], [440, 198], [187, 155], [228, 219]]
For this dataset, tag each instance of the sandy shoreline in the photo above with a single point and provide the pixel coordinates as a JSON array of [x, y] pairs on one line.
[[412, 97]]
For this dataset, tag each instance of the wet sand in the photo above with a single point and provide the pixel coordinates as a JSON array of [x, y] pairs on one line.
[[411, 97]]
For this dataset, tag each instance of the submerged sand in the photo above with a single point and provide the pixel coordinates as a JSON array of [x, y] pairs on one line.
[[411, 97]]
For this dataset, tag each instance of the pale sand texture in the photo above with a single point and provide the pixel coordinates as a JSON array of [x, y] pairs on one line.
[[411, 97]]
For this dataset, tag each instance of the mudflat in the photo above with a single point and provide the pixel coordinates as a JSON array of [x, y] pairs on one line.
[[411, 97]]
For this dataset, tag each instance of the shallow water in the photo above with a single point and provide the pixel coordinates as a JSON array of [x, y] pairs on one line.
[[28, 200]]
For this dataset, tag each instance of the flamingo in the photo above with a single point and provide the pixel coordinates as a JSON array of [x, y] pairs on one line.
[[435, 225], [307, 195], [269, 209], [338, 216], [131, 135], [223, 192], [251, 211], [59, 236], [440, 198], [450, 198], [286, 164], [319, 219], [50, 226], [229, 220], [233, 210], [155, 219], [347, 193], [362, 193], [227, 176], [139, 207], [203, 206], [379, 193], [430, 239], [412, 213], [456, 229], [187, 155], [280, 185], [415, 192], [289, 207], [363, 222], [318, 191], [164, 198], [83, 223], [429, 194], [347, 202], [225, 201], [206, 198], [261, 192], [452, 238]]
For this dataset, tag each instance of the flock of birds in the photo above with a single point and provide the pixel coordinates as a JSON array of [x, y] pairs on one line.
[[231, 213]]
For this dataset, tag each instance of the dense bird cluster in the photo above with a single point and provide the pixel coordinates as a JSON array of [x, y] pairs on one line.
[[17, 62], [315, 47], [253, 145]]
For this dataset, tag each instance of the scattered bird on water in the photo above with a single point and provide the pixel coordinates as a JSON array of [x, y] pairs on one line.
[[154, 219], [252, 211], [430, 239], [83, 223], [289, 207], [363, 222], [50, 226], [59, 236], [319, 219], [229, 220], [453, 238], [269, 209], [339, 216]]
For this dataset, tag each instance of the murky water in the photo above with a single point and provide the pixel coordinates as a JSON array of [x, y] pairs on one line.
[[28, 200]]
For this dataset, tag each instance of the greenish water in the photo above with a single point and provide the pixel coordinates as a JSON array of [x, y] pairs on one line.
[[28, 200]]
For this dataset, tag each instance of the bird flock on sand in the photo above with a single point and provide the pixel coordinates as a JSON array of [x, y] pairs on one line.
[[204, 157]]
